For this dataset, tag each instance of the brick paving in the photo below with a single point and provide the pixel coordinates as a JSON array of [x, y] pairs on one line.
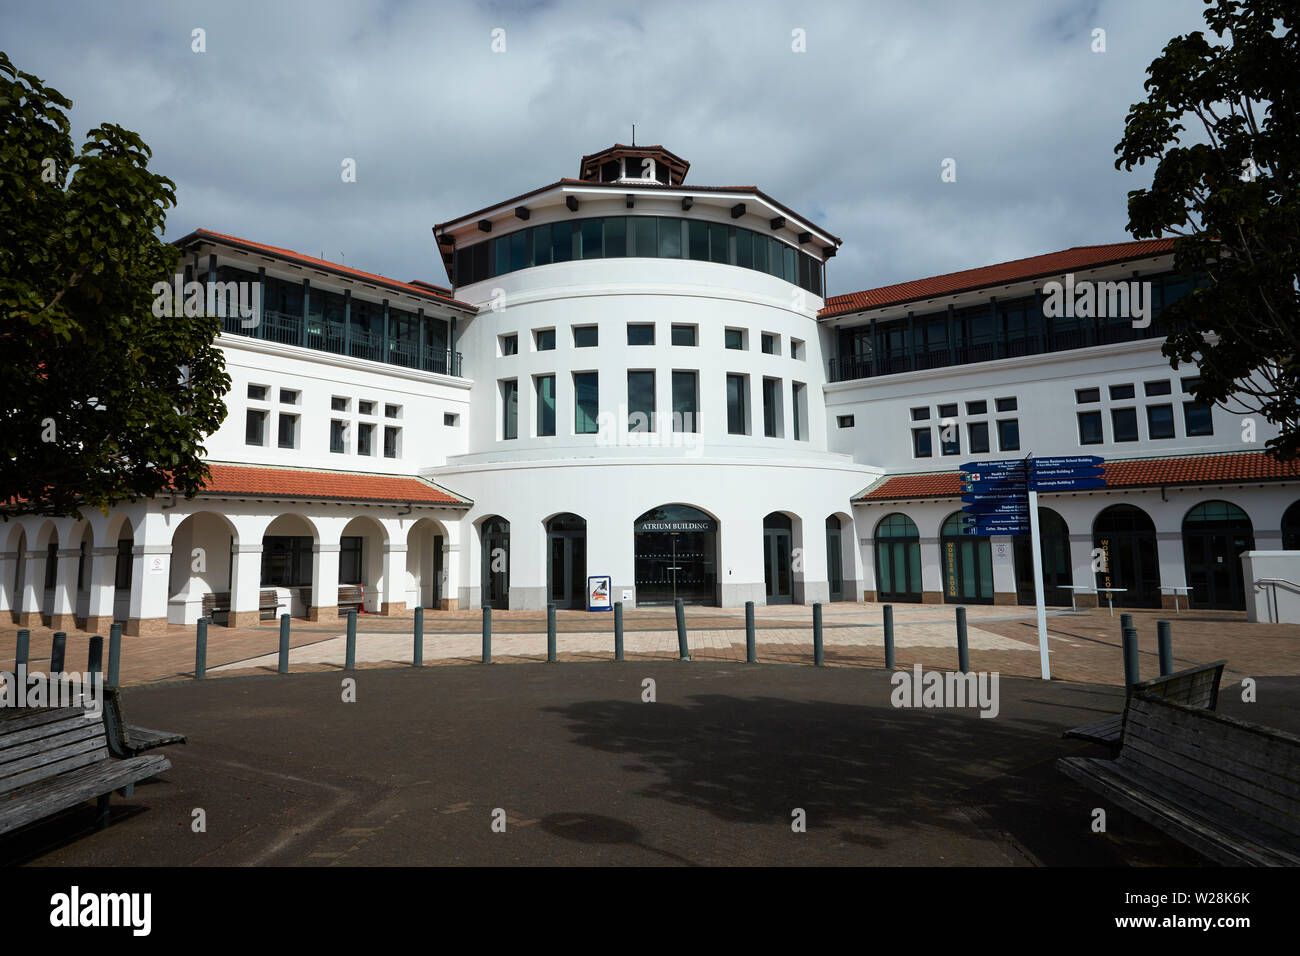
[[1084, 645]]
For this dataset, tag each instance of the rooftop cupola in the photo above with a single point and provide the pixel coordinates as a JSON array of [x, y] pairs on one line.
[[623, 164]]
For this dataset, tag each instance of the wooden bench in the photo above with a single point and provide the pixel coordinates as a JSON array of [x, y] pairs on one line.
[[1227, 788], [219, 603], [351, 597], [1195, 687], [125, 740], [53, 758]]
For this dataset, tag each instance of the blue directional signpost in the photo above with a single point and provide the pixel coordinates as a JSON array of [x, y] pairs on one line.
[[1001, 498]]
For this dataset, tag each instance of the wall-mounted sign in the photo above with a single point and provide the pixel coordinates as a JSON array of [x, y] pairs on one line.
[[599, 593], [675, 526]]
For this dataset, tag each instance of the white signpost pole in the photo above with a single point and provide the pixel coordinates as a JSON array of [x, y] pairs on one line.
[[1034, 544]]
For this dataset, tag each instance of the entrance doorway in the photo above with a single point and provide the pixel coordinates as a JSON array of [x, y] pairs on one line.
[[1058, 576], [834, 559], [778, 546], [1215, 534], [495, 533], [566, 561], [676, 549], [967, 564], [898, 559], [1126, 536]]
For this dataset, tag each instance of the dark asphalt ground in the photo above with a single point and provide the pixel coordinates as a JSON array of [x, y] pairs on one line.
[[587, 773]]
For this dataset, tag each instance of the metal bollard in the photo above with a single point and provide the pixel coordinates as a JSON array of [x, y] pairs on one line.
[[751, 646], [618, 630], [284, 643], [1125, 620], [350, 660], [58, 652], [95, 659], [683, 651], [889, 636], [417, 653], [1130, 644], [201, 649], [550, 633], [487, 634], [819, 658], [114, 653], [1165, 641], [963, 651], [21, 654]]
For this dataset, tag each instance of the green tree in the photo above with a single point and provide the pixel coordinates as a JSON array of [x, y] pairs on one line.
[[101, 401], [1229, 197]]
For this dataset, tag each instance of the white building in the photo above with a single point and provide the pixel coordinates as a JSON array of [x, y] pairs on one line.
[[640, 378]]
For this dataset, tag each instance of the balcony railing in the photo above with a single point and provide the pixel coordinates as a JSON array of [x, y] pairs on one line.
[[289, 329]]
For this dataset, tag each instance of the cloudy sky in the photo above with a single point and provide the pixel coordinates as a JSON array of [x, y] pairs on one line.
[[851, 133]]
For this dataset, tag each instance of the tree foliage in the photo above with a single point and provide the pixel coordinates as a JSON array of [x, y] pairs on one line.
[[1230, 200], [100, 401]]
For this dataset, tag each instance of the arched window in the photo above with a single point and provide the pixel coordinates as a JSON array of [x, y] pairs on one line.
[[1215, 534], [1291, 528], [1129, 562], [1058, 575], [898, 559], [966, 562]]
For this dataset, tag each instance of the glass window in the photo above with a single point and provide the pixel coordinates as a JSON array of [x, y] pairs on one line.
[[1086, 396], [1197, 419], [364, 432], [518, 250], [737, 405], [684, 335], [640, 333], [844, 421], [670, 238], [254, 427], [1124, 421], [775, 258], [390, 440], [768, 343], [977, 408], [641, 401], [686, 410], [616, 237], [541, 244], [509, 409], [288, 396], [760, 251], [1156, 388], [735, 338], [979, 437], [799, 410], [949, 438], [1121, 392], [772, 407], [562, 234], [948, 411], [585, 337], [544, 339], [509, 346], [1189, 384], [586, 402], [1006, 404], [745, 248], [698, 233], [450, 420], [593, 239], [500, 255], [1160, 421], [288, 437], [718, 245], [643, 237], [338, 437], [921, 444], [1009, 434], [921, 414], [1090, 428], [365, 408], [392, 411], [545, 388], [257, 393]]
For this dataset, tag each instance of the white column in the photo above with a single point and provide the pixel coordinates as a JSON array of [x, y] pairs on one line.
[[449, 586], [103, 573], [1081, 563], [246, 585], [63, 614], [150, 577], [29, 608], [392, 587], [8, 593], [324, 582]]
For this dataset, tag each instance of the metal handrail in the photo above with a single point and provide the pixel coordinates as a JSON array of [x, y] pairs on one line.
[[1274, 616]]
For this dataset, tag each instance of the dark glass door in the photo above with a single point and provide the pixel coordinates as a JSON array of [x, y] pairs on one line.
[[496, 564], [566, 571], [834, 560], [777, 550]]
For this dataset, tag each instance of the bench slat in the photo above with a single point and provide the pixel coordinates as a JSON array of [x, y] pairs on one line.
[[67, 719], [1196, 687], [16, 720], [75, 745], [19, 780], [69, 735], [1275, 757], [47, 797], [1104, 731]]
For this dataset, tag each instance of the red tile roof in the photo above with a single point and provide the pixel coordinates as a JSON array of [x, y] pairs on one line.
[[1128, 473], [425, 290], [332, 485], [1004, 273]]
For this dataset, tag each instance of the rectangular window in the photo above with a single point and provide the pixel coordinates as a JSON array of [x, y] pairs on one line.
[[1009, 434], [760, 251], [338, 437], [586, 337], [562, 241], [586, 402], [257, 392], [593, 239], [744, 248], [1006, 404], [364, 432], [1090, 428], [737, 405], [541, 245], [338, 404], [640, 334], [686, 402], [949, 438], [734, 338], [450, 420], [123, 567], [844, 421], [640, 401], [288, 437], [1197, 420], [921, 446], [509, 409], [349, 558], [1160, 421], [615, 237], [1119, 393], [921, 414], [288, 396], [978, 433], [772, 407], [1124, 422], [509, 344], [544, 386], [684, 335], [1086, 396], [698, 236], [670, 239], [1156, 388], [255, 427], [645, 237], [948, 411], [717, 242], [799, 410], [796, 349], [392, 411], [977, 408], [768, 344], [390, 440], [544, 339], [365, 408], [1189, 384]]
